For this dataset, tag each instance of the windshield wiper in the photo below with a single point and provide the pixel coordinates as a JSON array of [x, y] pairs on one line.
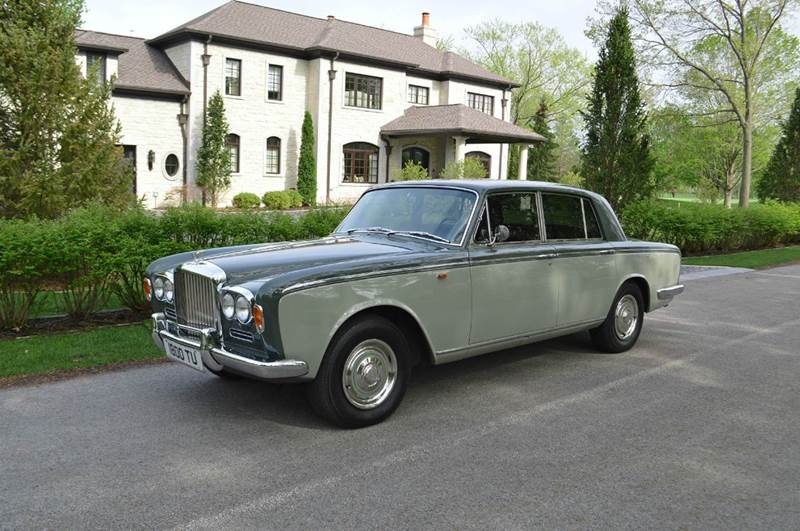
[[382, 230], [423, 234]]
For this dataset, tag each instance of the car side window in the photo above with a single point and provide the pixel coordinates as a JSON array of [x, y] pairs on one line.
[[569, 217], [517, 211]]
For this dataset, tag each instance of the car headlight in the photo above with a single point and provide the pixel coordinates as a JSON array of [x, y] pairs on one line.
[[169, 290], [158, 288], [228, 303], [242, 309]]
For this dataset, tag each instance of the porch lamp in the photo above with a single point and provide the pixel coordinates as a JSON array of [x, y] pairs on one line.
[[151, 159]]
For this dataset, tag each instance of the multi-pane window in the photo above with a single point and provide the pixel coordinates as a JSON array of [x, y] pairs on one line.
[[172, 164], [96, 65], [360, 163], [569, 217], [418, 95], [233, 77], [362, 91], [273, 155], [232, 143], [275, 83], [416, 155], [481, 102]]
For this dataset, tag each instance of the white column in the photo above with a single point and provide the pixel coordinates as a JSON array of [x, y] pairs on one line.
[[522, 174], [461, 147]]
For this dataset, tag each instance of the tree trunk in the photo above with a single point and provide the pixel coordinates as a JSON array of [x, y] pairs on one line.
[[747, 164], [728, 197]]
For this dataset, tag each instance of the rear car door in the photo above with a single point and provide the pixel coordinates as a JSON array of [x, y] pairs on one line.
[[513, 293], [585, 268]]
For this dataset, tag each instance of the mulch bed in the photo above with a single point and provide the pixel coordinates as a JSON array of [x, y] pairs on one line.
[[59, 325]]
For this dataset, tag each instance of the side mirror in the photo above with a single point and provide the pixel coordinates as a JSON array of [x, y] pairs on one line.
[[501, 234]]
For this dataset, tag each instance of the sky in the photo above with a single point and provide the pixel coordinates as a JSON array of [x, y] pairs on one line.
[[149, 18]]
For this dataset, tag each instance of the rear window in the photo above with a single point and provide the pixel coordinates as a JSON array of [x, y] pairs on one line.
[[564, 217]]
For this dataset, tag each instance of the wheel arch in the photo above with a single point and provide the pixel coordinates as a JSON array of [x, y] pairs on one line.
[[643, 285], [401, 316]]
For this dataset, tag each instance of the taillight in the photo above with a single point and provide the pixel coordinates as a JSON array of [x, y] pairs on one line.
[[148, 289], [258, 317]]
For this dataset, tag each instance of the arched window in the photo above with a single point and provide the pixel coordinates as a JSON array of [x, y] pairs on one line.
[[232, 142], [417, 155], [484, 159], [360, 163], [273, 155]]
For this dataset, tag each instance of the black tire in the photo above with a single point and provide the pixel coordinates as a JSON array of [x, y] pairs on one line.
[[606, 337], [327, 393]]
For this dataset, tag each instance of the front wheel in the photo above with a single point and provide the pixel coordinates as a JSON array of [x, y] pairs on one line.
[[363, 376], [623, 323]]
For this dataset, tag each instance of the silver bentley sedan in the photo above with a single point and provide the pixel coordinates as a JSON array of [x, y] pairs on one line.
[[429, 271]]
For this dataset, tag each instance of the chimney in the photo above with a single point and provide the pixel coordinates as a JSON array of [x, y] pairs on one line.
[[425, 31], [331, 17]]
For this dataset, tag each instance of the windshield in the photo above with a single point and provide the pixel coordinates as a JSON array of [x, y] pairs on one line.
[[439, 214]]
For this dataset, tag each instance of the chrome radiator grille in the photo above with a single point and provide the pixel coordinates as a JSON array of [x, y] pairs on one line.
[[195, 300]]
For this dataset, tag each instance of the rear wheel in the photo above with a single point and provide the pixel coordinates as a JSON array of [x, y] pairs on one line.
[[623, 324], [363, 376]]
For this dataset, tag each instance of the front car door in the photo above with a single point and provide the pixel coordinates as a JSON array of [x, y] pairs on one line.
[[585, 270], [513, 293]]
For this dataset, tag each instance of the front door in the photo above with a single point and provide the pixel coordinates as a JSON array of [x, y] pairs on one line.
[[129, 152], [513, 292]]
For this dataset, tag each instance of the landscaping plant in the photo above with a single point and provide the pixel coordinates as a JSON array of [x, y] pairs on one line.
[[214, 157], [307, 165]]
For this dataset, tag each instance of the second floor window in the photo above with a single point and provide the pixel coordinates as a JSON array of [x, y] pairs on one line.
[[96, 66], [275, 83], [418, 95], [232, 143], [481, 102], [233, 77], [363, 91], [273, 155]]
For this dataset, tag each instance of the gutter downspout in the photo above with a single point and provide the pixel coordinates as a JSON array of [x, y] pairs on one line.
[[503, 103], [388, 150], [331, 78], [206, 61], [183, 121]]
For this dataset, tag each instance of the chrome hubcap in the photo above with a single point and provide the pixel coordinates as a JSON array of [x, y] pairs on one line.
[[370, 372], [626, 317]]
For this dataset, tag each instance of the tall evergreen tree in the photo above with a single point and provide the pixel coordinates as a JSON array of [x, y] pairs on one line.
[[616, 159], [307, 165], [214, 157], [781, 179], [58, 133], [542, 156]]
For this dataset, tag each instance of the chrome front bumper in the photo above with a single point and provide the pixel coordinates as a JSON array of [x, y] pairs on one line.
[[667, 294], [216, 356]]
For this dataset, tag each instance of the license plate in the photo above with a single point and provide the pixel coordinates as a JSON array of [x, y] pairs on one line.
[[186, 355]]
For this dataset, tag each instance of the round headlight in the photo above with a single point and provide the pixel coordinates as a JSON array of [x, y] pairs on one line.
[[242, 309], [228, 306], [169, 290], [158, 288]]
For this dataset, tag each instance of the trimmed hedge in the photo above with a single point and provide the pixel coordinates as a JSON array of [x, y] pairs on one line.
[[700, 228], [92, 251], [246, 200], [282, 200]]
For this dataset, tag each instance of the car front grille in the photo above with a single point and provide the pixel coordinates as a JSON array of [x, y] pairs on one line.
[[195, 300]]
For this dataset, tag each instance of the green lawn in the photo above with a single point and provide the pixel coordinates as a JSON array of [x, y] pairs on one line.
[[51, 303], [90, 348], [689, 197], [749, 259]]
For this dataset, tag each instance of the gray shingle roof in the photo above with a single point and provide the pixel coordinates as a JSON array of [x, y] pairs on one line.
[[260, 24], [142, 67], [457, 119]]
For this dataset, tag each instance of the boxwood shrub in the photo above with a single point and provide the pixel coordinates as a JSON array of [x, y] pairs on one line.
[[282, 200], [246, 200], [92, 251], [702, 228]]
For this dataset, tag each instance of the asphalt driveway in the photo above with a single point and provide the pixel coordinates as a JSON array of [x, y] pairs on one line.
[[698, 427]]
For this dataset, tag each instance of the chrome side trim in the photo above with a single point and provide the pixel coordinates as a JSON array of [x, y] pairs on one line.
[[215, 354], [665, 294], [493, 345]]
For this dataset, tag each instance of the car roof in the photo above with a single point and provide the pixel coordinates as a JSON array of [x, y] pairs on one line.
[[484, 185]]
